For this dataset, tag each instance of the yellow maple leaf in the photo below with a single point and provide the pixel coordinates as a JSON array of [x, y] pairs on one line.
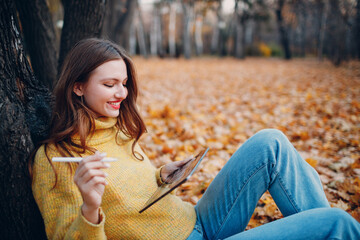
[[312, 162]]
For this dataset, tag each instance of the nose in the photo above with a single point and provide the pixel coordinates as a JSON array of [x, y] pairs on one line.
[[121, 92]]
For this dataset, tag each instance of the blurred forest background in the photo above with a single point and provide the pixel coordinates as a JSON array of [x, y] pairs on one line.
[[211, 73], [239, 28]]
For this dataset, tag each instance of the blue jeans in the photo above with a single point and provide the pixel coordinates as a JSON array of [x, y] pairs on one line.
[[268, 161]]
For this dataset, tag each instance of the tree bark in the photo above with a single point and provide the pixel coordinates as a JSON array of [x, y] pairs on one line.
[[154, 32], [336, 34], [132, 39], [160, 36], [303, 27], [239, 31], [325, 10], [282, 30], [118, 20], [357, 28], [240, 44], [198, 34], [82, 19], [236, 29], [40, 39], [141, 31], [24, 114], [172, 30], [225, 33], [113, 7], [187, 18], [216, 30]]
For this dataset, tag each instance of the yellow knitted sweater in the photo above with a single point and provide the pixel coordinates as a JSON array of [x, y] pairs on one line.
[[131, 183]]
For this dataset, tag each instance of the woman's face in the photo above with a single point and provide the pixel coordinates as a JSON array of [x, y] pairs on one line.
[[105, 89]]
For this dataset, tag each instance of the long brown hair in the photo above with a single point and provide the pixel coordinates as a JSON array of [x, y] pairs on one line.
[[71, 116]]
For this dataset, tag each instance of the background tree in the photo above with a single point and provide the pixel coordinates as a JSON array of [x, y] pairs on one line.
[[339, 30], [252, 27], [82, 19], [284, 36], [188, 17], [323, 7], [155, 32], [140, 31], [244, 12], [218, 25], [39, 32], [200, 13], [357, 29], [117, 22], [157, 26]]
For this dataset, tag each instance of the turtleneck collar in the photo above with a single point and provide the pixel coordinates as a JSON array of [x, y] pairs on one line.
[[105, 130], [104, 123]]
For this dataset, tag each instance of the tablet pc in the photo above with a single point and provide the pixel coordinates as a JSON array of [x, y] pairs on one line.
[[175, 179]]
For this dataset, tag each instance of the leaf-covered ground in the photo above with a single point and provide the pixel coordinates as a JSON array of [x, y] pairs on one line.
[[188, 104]]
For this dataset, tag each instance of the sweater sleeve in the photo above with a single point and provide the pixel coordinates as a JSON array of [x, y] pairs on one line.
[[60, 206]]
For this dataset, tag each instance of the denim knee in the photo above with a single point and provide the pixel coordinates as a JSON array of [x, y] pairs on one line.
[[270, 141], [276, 149], [339, 216], [343, 224], [267, 136]]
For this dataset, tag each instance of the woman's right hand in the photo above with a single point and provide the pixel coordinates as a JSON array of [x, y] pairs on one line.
[[90, 180]]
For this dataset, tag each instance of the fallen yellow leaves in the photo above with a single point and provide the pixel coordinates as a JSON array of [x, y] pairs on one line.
[[312, 162], [188, 104]]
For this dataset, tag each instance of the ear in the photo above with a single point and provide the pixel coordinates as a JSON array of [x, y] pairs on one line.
[[78, 89]]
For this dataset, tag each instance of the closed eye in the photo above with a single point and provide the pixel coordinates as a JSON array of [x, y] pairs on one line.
[[109, 85]]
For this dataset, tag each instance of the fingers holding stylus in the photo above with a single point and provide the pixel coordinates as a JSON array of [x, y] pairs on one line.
[[91, 180], [92, 165]]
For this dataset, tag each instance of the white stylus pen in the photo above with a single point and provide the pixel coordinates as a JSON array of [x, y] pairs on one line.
[[78, 159]]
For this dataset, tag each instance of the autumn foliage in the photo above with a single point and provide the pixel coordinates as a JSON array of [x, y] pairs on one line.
[[219, 103]]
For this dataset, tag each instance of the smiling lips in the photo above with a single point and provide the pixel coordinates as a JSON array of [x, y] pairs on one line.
[[115, 104]]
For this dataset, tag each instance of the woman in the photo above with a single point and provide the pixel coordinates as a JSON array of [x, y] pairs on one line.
[[95, 115]]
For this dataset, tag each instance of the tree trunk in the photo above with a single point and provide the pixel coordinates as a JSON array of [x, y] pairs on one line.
[[236, 29], [238, 48], [187, 18], [82, 19], [198, 34], [303, 31], [240, 43], [243, 37], [282, 30], [141, 31], [172, 30], [239, 31], [110, 19], [154, 32], [160, 37], [336, 34], [118, 19], [40, 39], [24, 114], [223, 38], [216, 30], [325, 10], [132, 38], [357, 28]]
